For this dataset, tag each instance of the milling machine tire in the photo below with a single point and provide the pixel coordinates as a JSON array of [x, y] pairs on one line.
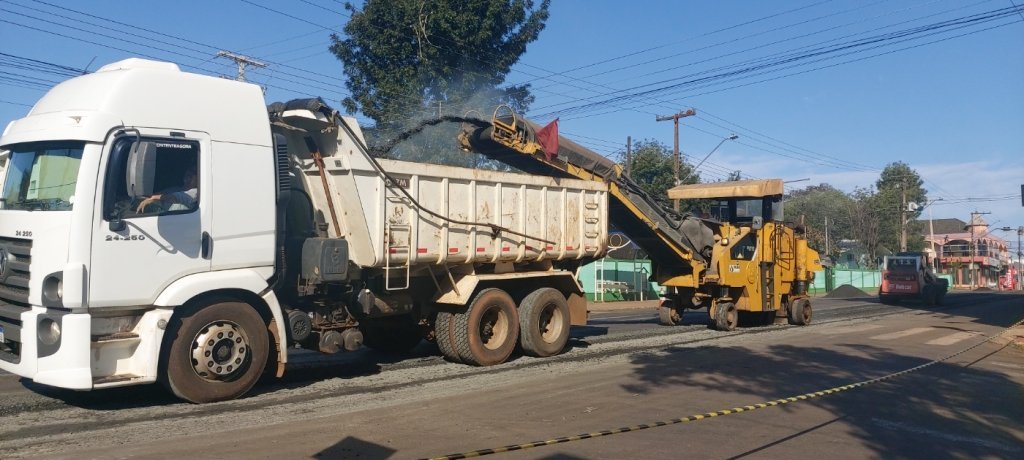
[[444, 335], [208, 357], [800, 312], [397, 334], [487, 332], [668, 314], [543, 323], [726, 316]]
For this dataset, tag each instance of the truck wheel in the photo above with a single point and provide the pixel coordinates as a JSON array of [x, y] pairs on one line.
[[800, 312], [391, 335], [668, 314], [444, 335], [544, 323], [726, 316], [487, 332], [213, 358]]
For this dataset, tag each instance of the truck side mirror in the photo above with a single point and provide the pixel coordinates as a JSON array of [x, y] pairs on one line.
[[757, 223], [141, 170]]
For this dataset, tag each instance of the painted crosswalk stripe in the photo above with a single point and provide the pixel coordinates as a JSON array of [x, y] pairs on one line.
[[951, 338], [849, 329], [902, 334]]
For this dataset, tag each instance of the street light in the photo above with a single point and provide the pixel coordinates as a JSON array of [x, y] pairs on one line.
[[730, 138]]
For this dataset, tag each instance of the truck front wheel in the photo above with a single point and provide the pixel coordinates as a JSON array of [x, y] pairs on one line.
[[544, 323], [216, 352], [487, 332]]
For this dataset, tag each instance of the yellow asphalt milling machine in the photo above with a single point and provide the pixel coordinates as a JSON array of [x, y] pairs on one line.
[[741, 258]]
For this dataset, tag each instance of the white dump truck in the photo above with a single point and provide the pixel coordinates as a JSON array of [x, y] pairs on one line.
[[158, 225]]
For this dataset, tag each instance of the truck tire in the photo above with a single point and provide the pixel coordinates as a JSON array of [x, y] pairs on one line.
[[668, 314], [213, 358], [487, 332], [726, 316], [444, 335], [800, 312], [544, 323], [397, 334]]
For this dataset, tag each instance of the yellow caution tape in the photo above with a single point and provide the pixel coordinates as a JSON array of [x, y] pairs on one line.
[[735, 410]]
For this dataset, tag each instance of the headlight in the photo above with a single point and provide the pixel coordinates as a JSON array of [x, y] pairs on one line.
[[49, 331]]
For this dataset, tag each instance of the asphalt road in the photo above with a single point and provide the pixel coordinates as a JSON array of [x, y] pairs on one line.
[[623, 369]]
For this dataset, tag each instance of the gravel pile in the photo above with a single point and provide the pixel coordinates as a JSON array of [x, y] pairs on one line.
[[846, 292]]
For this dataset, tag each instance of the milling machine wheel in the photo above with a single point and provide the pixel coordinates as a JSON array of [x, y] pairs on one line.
[[800, 312], [668, 314], [208, 357], [726, 316], [487, 332], [543, 323]]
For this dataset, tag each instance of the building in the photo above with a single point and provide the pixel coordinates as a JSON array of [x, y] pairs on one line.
[[971, 253]]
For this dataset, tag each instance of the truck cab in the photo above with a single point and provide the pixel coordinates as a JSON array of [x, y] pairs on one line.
[[90, 269]]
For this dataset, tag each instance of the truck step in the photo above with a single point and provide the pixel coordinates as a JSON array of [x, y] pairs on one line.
[[114, 378], [115, 337]]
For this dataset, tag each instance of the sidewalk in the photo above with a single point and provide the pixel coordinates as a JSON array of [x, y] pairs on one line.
[[622, 305]]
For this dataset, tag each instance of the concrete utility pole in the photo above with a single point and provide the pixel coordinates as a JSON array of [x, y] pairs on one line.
[[242, 61], [629, 156], [974, 250], [903, 218], [675, 149]]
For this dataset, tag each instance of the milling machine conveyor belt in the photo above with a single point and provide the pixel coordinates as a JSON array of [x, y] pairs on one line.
[[676, 242]]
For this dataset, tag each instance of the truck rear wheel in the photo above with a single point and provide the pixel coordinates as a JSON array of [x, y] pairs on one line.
[[444, 335], [726, 316], [214, 358], [487, 332], [397, 334], [544, 323], [800, 312]]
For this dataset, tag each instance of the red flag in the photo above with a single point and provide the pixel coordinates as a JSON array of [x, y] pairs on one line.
[[547, 137]]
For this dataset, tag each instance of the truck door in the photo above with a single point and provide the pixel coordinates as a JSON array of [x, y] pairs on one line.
[[153, 224]]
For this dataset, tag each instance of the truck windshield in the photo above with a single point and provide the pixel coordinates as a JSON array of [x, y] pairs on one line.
[[41, 176]]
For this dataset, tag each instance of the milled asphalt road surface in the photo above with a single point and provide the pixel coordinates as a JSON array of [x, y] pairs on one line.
[[621, 370]]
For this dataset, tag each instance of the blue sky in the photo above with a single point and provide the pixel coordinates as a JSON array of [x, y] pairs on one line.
[[953, 110]]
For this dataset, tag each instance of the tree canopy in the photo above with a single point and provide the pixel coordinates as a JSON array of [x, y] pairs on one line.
[[403, 59], [652, 168], [812, 206]]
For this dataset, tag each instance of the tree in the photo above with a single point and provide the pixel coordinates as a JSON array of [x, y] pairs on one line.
[[896, 179], [652, 168], [862, 212], [813, 205], [408, 60]]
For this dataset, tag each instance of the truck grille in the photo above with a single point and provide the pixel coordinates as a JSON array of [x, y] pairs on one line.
[[15, 258]]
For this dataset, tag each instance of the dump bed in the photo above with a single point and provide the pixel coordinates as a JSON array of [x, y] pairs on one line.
[[396, 212], [564, 219]]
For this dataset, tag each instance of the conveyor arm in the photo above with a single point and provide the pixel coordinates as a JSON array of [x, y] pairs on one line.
[[680, 245]]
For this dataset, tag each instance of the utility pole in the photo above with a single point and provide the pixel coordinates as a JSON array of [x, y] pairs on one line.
[[241, 61], [1020, 265], [629, 156], [675, 149], [827, 252], [903, 217]]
